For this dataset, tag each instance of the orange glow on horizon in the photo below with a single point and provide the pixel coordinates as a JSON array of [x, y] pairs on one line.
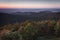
[[10, 5]]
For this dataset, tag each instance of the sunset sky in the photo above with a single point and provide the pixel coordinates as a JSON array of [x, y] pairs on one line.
[[29, 3]]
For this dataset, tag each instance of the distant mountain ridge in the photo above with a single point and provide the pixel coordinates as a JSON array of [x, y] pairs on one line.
[[10, 10]]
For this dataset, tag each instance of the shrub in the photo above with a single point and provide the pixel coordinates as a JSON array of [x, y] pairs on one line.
[[11, 36]]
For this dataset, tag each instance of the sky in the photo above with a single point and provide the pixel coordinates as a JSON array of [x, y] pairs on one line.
[[29, 3]]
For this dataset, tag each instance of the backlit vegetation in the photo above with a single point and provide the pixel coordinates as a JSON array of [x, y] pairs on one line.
[[31, 30]]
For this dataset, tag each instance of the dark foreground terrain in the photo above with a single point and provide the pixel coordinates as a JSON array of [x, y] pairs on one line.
[[44, 25]]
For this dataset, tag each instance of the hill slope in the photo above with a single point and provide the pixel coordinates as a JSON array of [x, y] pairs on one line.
[[6, 18]]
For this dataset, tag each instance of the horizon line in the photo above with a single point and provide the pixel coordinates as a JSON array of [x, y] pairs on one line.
[[29, 8]]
